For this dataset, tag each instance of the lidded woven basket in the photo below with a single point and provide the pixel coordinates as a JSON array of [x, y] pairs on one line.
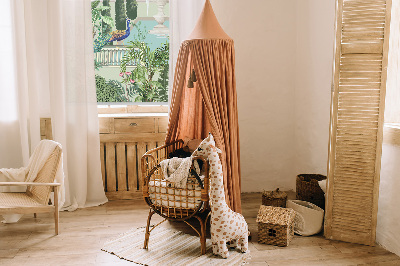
[[275, 225], [308, 189], [274, 198]]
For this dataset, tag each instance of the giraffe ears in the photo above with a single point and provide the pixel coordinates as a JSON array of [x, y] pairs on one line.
[[216, 149]]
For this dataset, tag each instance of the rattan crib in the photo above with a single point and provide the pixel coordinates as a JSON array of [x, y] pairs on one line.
[[170, 202]]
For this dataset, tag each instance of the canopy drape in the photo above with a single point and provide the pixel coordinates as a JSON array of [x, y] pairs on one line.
[[211, 106]]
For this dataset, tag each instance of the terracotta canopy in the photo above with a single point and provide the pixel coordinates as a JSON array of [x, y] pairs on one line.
[[211, 105]]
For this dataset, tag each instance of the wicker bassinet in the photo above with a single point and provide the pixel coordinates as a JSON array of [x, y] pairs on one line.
[[170, 202]]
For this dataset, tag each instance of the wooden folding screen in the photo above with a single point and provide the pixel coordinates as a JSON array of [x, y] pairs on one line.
[[358, 96]]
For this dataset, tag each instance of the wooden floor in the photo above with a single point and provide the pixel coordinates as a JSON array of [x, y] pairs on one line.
[[82, 233]]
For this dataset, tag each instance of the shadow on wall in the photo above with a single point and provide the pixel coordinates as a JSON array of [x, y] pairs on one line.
[[10, 145], [388, 227]]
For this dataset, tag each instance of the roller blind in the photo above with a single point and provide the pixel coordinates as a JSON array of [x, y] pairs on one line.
[[358, 97]]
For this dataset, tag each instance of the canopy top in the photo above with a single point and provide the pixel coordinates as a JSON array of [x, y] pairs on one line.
[[207, 26]]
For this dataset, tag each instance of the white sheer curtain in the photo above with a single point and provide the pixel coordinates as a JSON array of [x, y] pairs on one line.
[[55, 78], [10, 155], [183, 18]]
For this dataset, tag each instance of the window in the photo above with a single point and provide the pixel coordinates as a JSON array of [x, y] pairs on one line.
[[131, 46]]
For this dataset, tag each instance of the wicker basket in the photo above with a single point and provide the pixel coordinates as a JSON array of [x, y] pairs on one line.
[[274, 198], [308, 189], [275, 225]]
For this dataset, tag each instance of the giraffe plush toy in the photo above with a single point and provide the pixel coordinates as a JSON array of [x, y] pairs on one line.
[[226, 225]]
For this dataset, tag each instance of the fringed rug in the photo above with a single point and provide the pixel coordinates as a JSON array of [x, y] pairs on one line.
[[168, 247]]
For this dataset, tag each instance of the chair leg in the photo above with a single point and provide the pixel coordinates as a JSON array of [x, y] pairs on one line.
[[56, 211], [203, 236], [34, 215], [203, 232], [147, 235]]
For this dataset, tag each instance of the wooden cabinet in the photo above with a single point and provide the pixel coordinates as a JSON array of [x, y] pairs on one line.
[[135, 125], [123, 141], [129, 128]]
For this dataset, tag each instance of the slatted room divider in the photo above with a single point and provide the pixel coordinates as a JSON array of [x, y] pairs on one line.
[[358, 95]]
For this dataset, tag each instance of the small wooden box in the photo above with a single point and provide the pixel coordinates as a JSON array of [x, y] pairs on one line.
[[274, 198], [275, 225]]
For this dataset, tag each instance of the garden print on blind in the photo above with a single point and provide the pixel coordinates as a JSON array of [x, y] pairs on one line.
[[131, 50]]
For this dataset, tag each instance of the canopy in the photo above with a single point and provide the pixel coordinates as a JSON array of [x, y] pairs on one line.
[[206, 101]]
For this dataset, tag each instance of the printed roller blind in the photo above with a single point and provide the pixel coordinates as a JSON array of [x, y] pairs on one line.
[[358, 97]]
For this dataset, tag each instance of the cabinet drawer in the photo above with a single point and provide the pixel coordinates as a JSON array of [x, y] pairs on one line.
[[162, 124], [134, 125], [106, 125]]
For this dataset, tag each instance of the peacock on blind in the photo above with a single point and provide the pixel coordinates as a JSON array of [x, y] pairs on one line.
[[119, 35], [100, 42]]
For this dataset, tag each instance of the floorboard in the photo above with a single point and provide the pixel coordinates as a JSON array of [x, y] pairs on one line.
[[82, 233]]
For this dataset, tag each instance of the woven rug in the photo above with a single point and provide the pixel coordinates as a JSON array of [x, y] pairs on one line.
[[167, 247]]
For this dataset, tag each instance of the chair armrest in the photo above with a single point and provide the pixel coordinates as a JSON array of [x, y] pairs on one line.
[[163, 146], [29, 184], [149, 154]]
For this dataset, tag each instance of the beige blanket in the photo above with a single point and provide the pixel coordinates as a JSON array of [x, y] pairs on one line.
[[176, 170]]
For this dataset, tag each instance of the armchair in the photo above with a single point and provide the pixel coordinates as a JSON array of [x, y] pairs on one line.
[[36, 197]]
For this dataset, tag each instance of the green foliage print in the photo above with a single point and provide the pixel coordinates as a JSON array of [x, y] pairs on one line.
[[120, 15], [131, 9], [114, 91], [108, 92], [101, 23], [150, 65], [98, 19], [107, 13]]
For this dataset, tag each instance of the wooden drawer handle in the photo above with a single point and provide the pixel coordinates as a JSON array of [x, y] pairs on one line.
[[133, 124]]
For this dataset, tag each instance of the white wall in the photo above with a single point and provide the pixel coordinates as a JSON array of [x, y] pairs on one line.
[[284, 52], [388, 227], [314, 60], [264, 32]]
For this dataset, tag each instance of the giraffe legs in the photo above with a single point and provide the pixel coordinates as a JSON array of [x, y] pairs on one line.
[[243, 244], [220, 248]]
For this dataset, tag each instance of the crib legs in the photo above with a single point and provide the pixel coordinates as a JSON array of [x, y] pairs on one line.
[[147, 235], [203, 236], [203, 231], [203, 224]]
